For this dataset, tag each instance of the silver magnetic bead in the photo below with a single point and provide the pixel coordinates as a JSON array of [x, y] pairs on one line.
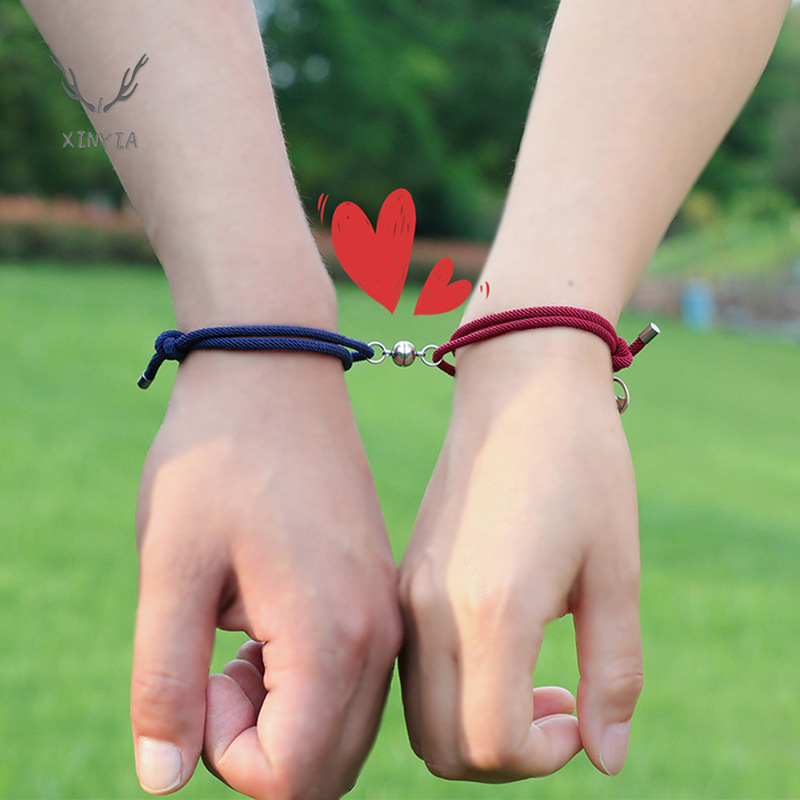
[[403, 354]]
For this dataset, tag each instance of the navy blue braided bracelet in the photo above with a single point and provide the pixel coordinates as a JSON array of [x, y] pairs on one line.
[[176, 345]]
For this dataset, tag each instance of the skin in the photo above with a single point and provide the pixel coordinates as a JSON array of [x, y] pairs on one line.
[[531, 511], [315, 581], [227, 535]]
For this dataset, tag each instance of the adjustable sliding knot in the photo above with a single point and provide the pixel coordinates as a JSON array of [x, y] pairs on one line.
[[176, 345], [168, 346]]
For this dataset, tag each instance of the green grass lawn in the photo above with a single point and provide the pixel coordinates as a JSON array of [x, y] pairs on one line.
[[713, 426], [731, 248]]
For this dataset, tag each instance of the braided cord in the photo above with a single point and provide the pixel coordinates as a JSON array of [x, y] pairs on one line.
[[176, 345], [541, 317]]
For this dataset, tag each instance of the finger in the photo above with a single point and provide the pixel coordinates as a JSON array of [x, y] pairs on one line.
[[231, 737], [363, 718], [551, 742], [550, 700], [175, 629], [250, 680], [378, 653], [310, 692], [501, 740], [609, 660], [252, 651], [410, 687], [288, 751], [429, 672]]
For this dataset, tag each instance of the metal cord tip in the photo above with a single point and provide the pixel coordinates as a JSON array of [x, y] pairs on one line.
[[649, 333]]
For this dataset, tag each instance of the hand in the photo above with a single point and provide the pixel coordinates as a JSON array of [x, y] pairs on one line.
[[530, 515], [257, 512]]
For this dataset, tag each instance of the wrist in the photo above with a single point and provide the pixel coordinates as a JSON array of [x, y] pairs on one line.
[[277, 284], [527, 277], [526, 291], [263, 386], [542, 367], [528, 353]]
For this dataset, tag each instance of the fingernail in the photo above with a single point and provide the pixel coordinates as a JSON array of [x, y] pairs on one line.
[[158, 765], [614, 747]]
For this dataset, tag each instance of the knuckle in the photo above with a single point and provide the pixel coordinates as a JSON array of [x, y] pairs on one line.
[[487, 757], [287, 787], [158, 694], [356, 630], [418, 593], [440, 762], [392, 633], [473, 601], [627, 582], [280, 787], [485, 609], [622, 686], [445, 769], [488, 751], [484, 757], [624, 570]]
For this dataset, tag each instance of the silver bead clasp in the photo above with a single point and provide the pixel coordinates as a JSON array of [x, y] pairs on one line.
[[404, 354]]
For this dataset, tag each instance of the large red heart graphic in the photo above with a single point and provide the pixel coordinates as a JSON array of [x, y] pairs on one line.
[[438, 295], [377, 259]]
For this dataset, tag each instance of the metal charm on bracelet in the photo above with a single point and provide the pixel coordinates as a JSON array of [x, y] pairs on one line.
[[623, 400], [403, 354]]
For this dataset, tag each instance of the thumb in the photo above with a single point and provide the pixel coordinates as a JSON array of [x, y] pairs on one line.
[[610, 662], [175, 627]]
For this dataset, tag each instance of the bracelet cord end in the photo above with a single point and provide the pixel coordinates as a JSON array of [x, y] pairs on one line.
[[644, 338]]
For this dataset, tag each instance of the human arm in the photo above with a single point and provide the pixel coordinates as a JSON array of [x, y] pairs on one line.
[[257, 510], [531, 511]]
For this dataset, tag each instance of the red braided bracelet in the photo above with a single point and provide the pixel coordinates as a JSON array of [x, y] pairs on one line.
[[545, 317]]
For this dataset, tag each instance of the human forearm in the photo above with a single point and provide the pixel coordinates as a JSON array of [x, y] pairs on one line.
[[208, 175], [631, 102], [531, 512], [224, 540]]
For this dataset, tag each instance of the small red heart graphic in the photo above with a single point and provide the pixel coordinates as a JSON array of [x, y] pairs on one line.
[[438, 296], [377, 259]]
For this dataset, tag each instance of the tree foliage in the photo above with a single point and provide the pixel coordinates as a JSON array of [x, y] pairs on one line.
[[34, 111], [429, 95], [756, 169]]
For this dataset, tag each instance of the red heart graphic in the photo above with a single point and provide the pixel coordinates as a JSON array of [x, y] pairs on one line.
[[438, 296], [377, 260]]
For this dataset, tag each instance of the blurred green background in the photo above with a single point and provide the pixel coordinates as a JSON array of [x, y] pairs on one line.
[[375, 95], [713, 424]]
